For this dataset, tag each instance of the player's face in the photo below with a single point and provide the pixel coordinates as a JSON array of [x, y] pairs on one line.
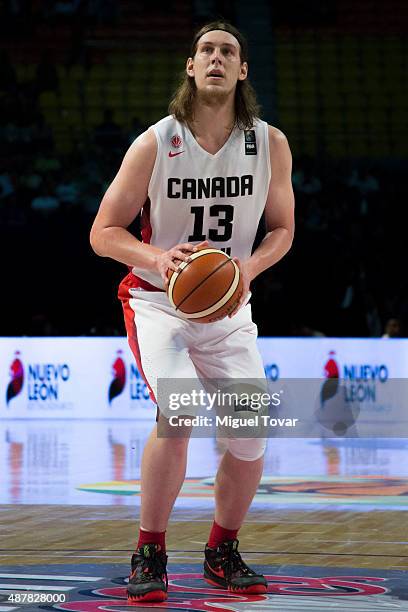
[[216, 66]]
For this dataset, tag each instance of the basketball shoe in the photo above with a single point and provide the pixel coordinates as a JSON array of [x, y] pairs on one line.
[[148, 579], [224, 568]]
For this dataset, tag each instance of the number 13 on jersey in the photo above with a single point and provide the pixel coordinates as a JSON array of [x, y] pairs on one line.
[[224, 213]]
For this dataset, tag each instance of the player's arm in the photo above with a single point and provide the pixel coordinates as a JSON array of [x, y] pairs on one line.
[[122, 203], [279, 213], [279, 208]]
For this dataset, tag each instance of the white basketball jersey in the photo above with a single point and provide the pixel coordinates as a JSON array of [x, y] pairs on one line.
[[196, 196]]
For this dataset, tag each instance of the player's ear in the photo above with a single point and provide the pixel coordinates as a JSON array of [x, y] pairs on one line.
[[190, 67], [243, 73]]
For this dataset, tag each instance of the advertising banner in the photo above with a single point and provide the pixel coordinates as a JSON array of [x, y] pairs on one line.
[[97, 378]]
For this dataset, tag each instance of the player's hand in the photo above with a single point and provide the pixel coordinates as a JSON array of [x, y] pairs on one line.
[[171, 259], [246, 281]]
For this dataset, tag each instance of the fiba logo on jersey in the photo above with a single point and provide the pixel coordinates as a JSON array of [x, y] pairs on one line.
[[250, 142], [176, 142], [119, 377], [17, 378]]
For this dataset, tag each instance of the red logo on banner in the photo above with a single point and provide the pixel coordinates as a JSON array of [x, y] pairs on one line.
[[17, 378], [331, 369], [119, 377]]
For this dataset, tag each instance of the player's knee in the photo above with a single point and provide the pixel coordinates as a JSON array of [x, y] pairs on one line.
[[247, 449]]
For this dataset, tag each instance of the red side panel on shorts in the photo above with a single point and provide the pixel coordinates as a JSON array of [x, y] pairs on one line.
[[131, 281]]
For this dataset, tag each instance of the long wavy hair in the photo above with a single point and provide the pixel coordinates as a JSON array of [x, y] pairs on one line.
[[246, 105]]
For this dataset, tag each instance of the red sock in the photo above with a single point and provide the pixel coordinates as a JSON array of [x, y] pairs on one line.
[[219, 534], [152, 537]]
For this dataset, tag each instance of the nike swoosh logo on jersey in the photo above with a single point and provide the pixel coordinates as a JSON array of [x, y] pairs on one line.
[[174, 154]]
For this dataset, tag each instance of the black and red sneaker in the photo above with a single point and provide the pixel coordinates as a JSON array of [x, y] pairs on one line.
[[148, 580], [224, 568]]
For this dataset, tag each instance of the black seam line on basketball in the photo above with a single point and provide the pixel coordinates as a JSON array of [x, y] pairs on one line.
[[203, 281]]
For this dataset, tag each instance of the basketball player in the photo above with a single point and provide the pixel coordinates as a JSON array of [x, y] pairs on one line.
[[203, 175]]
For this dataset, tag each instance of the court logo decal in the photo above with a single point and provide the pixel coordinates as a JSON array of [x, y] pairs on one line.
[[119, 377], [304, 586], [333, 490], [17, 378], [185, 593]]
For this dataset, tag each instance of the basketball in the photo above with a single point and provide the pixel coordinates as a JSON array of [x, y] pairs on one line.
[[207, 288]]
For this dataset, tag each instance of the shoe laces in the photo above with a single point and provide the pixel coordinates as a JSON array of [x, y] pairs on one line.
[[154, 565], [231, 560]]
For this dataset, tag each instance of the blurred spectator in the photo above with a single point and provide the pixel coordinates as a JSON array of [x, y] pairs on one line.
[[6, 185], [46, 202], [373, 318], [305, 181], [366, 182], [301, 330], [392, 328], [91, 198], [40, 325], [47, 162], [316, 216], [67, 190], [102, 328], [31, 181]]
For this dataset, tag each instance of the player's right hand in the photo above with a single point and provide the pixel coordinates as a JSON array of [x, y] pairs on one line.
[[170, 260]]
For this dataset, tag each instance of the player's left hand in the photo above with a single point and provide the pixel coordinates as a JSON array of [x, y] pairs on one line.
[[246, 281]]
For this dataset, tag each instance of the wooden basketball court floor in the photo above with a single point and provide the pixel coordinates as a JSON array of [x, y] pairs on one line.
[[328, 526]]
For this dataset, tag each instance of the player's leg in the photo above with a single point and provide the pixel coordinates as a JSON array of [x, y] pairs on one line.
[[232, 500], [162, 474], [236, 483], [233, 355], [156, 337]]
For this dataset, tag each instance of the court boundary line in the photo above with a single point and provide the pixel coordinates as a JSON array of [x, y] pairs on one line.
[[247, 552]]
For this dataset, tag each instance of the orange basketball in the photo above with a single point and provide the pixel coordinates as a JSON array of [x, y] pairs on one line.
[[207, 288]]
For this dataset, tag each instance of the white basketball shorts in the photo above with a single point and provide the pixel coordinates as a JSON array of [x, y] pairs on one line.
[[166, 345]]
